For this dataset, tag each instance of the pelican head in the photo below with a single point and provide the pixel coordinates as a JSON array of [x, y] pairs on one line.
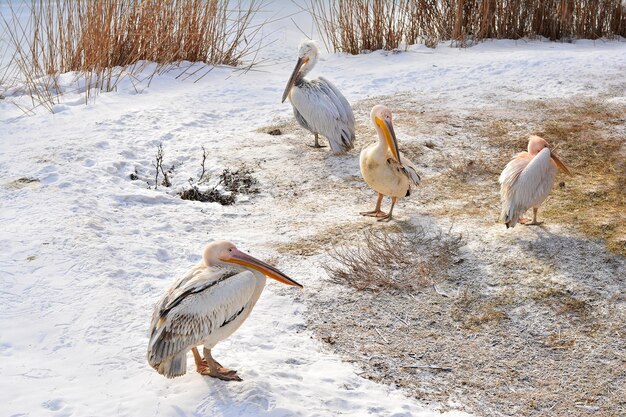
[[307, 58], [382, 119], [222, 252], [536, 144]]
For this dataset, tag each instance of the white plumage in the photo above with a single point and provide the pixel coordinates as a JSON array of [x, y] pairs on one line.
[[527, 180], [318, 105], [384, 167], [204, 307], [198, 313]]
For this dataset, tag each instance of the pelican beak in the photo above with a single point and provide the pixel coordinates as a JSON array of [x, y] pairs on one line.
[[390, 137], [294, 76], [560, 164], [241, 258]]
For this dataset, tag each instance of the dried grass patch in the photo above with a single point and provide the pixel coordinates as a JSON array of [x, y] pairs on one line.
[[22, 182], [385, 260], [319, 242], [589, 135], [562, 301], [473, 311]]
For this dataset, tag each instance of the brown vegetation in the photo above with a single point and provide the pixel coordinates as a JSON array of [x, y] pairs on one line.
[[388, 260], [100, 39], [230, 184], [355, 26]]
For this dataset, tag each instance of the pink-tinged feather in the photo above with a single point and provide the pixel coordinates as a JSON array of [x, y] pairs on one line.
[[526, 182]]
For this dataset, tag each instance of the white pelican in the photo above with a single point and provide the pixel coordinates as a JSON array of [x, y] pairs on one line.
[[527, 180], [204, 307], [383, 166], [318, 105]]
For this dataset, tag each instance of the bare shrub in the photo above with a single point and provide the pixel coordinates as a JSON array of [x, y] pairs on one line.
[[158, 167], [225, 190], [401, 261], [210, 195], [239, 181], [355, 26], [107, 40], [202, 178]]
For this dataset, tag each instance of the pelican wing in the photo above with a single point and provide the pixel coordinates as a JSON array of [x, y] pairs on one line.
[[321, 108], [406, 168], [525, 182], [410, 171], [203, 301], [342, 104]]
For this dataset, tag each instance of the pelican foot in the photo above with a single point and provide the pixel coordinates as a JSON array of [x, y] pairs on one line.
[[218, 372], [385, 218], [524, 220], [373, 213], [533, 223], [317, 146]]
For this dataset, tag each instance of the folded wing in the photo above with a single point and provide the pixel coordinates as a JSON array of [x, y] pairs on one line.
[[321, 108]]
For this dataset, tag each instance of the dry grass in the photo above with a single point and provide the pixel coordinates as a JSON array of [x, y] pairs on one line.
[[388, 260], [465, 166], [473, 311], [106, 40], [230, 184], [317, 243], [533, 348], [504, 358], [562, 301], [356, 26]]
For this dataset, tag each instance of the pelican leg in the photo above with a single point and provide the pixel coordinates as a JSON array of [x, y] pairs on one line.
[[317, 143], [377, 212], [388, 216], [534, 222], [209, 366]]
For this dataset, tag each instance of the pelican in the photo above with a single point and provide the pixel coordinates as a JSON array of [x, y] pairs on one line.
[[204, 307], [383, 166], [527, 180], [318, 105]]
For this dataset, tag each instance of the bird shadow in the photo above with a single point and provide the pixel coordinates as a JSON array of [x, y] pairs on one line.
[[227, 398], [578, 259]]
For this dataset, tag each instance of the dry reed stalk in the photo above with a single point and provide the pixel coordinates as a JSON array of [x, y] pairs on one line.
[[355, 26], [106, 39]]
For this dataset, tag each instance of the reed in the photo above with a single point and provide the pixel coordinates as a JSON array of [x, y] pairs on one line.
[[106, 39], [355, 26]]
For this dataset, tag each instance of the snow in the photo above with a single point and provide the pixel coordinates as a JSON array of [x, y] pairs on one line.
[[86, 252]]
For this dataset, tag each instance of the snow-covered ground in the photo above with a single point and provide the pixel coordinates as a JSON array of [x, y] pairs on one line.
[[85, 252]]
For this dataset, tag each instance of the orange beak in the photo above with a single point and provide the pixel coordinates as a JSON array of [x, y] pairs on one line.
[[560, 164], [241, 258], [390, 137]]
